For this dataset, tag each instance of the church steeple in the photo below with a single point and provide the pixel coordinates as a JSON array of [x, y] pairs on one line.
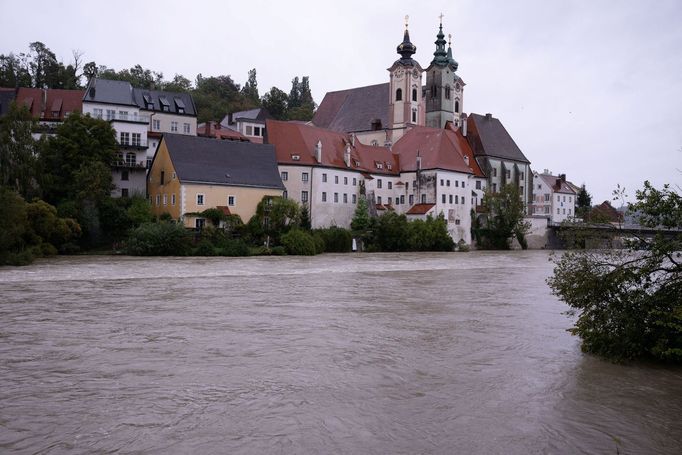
[[406, 49], [440, 57]]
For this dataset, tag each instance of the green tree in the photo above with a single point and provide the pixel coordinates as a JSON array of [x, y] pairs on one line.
[[503, 220], [305, 218], [250, 89], [13, 226], [629, 301], [583, 202], [14, 71], [276, 102], [179, 84], [274, 217], [138, 76], [18, 151], [294, 97], [361, 220]]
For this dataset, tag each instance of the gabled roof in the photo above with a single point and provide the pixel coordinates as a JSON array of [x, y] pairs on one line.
[[437, 148], [487, 136], [109, 92], [152, 100], [557, 184], [206, 160], [50, 104], [295, 143], [465, 149], [420, 209], [32, 99], [353, 110], [216, 130]]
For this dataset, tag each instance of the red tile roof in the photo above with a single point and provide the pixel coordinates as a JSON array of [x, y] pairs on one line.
[[225, 209], [437, 148], [50, 104], [300, 140], [465, 149], [557, 184], [420, 209], [217, 131]]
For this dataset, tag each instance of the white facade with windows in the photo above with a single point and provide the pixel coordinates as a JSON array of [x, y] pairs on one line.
[[552, 198]]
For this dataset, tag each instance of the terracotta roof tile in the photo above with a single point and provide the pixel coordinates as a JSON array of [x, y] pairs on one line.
[[437, 148], [420, 209]]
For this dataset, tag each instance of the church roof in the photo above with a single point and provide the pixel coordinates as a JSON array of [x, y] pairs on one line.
[[487, 136], [354, 110], [437, 148]]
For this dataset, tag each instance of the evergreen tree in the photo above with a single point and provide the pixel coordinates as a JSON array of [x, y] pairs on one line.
[[18, 152], [250, 90], [305, 218], [583, 202], [295, 94], [361, 219]]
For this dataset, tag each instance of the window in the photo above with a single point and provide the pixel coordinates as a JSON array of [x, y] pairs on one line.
[[111, 114], [345, 198], [522, 176], [345, 180], [508, 173], [411, 199], [256, 131], [336, 197], [97, 113], [558, 211], [402, 198], [231, 201], [423, 199], [457, 106], [494, 187], [442, 182], [456, 221], [172, 199], [354, 181], [124, 192], [284, 175], [199, 223], [547, 209], [443, 198], [174, 127], [165, 199], [324, 178], [390, 185], [521, 190], [137, 139], [304, 177], [414, 116], [285, 194], [163, 177], [249, 130], [457, 183], [478, 184], [447, 183], [414, 184], [336, 179], [558, 198], [324, 196], [546, 197], [185, 128], [149, 163], [414, 94], [130, 159], [451, 199], [304, 196], [447, 92], [379, 184], [200, 199], [124, 138], [123, 115], [389, 200], [158, 200], [355, 199], [407, 186], [156, 124], [461, 200], [378, 199], [399, 94], [494, 172], [124, 175]]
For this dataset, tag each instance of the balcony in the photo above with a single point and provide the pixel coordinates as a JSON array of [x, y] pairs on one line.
[[129, 164], [118, 117], [142, 145]]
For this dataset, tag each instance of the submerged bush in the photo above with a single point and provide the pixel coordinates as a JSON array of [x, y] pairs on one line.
[[299, 243], [159, 239], [336, 239]]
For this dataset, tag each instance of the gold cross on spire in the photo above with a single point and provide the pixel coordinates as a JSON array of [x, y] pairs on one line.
[[449, 39], [406, 19], [441, 18]]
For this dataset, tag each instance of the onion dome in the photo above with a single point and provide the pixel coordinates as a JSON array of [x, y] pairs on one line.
[[406, 49], [451, 60]]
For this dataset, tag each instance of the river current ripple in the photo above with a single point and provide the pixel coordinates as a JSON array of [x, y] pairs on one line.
[[358, 354]]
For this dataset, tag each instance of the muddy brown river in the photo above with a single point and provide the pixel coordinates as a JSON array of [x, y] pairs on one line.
[[353, 354]]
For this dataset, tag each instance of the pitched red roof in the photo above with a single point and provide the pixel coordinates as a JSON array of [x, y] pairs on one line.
[[225, 209], [557, 184], [50, 104], [465, 149], [295, 143], [217, 131], [420, 209], [437, 148]]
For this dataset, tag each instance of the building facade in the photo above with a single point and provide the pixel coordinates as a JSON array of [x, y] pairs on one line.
[[553, 197]]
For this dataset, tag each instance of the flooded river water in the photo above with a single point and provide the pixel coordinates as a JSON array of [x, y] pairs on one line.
[[358, 354]]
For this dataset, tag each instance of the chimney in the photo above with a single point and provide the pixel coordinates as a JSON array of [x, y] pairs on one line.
[[352, 139], [346, 155], [562, 177], [489, 116], [419, 161], [318, 151]]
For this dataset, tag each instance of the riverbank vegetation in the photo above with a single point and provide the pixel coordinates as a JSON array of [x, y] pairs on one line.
[[501, 221], [628, 302]]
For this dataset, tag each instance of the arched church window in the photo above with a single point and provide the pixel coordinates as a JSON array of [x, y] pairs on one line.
[[457, 106], [414, 116], [414, 94], [399, 94], [447, 92]]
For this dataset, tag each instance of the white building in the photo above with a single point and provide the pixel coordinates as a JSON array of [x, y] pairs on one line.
[[553, 197]]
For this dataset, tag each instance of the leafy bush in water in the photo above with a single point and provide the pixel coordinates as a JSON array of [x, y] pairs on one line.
[[336, 239], [159, 239], [278, 251], [205, 248], [298, 242], [234, 248]]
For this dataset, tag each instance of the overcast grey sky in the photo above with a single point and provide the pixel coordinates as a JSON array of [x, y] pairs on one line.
[[589, 88]]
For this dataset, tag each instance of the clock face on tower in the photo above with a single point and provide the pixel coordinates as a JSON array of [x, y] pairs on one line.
[[415, 73], [399, 74], [458, 87]]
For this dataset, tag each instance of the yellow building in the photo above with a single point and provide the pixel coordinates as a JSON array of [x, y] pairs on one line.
[[190, 174]]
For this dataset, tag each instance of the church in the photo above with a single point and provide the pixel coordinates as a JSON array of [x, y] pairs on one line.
[[405, 145]]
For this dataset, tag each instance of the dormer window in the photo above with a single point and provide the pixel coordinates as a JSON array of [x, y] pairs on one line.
[[148, 102], [179, 106], [165, 105], [296, 157], [389, 167], [379, 165]]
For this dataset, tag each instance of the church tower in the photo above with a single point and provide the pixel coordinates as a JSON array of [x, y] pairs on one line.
[[405, 107], [444, 88]]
